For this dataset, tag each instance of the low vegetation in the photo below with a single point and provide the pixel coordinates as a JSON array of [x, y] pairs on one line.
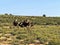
[[46, 30]]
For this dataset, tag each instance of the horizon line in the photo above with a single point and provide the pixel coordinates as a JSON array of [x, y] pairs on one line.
[[28, 15]]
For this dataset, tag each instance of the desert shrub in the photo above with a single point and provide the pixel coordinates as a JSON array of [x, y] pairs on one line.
[[18, 37], [12, 33], [21, 36]]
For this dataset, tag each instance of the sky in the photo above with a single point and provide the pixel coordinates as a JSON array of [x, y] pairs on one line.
[[30, 7]]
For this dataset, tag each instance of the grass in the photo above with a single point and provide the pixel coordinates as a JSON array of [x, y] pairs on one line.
[[16, 35], [44, 33]]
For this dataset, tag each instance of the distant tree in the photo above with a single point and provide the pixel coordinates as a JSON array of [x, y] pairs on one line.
[[10, 14], [44, 15], [6, 13]]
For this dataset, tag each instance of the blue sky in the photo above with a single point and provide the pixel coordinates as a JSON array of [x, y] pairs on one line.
[[30, 7]]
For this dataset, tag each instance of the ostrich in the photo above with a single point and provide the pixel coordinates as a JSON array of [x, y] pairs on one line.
[[25, 23], [15, 23]]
